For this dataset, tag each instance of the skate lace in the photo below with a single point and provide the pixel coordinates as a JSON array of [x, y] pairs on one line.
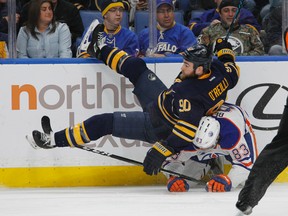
[[45, 138], [100, 36]]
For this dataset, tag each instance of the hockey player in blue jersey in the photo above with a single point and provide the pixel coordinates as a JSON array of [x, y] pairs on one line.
[[226, 134], [170, 116]]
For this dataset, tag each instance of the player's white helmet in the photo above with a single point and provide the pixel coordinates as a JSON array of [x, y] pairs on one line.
[[207, 134]]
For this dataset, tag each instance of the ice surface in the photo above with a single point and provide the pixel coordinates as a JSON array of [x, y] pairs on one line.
[[136, 201]]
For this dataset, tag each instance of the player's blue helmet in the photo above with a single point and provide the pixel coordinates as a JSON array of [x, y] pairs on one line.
[[199, 55]]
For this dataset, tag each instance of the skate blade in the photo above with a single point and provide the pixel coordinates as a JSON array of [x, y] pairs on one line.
[[239, 213], [31, 142]]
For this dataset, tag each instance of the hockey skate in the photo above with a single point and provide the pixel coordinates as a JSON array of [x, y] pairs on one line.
[[97, 42], [244, 209], [42, 140]]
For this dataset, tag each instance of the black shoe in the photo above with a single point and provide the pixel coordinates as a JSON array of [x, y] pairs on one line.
[[97, 40], [41, 140], [244, 208]]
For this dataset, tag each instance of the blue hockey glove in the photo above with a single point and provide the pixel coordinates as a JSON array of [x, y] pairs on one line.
[[155, 158], [176, 184], [219, 183]]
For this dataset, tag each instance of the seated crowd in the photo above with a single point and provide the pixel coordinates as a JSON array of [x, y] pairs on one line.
[[54, 28]]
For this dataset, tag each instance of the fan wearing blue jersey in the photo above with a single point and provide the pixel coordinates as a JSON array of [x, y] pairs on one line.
[[172, 38], [170, 116], [115, 35], [226, 134]]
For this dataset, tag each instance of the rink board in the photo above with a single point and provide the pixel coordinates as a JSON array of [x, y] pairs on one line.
[[72, 90]]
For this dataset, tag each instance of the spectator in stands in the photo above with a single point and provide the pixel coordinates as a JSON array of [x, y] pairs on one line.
[[266, 10], [3, 46], [273, 29], [172, 38], [4, 18], [211, 4], [43, 37], [245, 39], [81, 4], [212, 16], [259, 6], [116, 35], [64, 12]]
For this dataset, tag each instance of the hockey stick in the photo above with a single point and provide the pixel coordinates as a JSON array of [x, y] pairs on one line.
[[46, 126], [117, 157], [234, 19]]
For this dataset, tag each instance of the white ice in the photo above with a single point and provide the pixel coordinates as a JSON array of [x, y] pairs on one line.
[[136, 201]]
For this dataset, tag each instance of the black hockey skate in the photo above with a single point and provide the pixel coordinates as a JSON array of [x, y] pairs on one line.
[[244, 208], [97, 42], [42, 140]]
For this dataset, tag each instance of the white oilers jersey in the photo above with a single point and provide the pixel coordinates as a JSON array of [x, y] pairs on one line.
[[236, 143]]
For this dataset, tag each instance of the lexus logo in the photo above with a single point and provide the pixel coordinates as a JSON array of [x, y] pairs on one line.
[[264, 100]]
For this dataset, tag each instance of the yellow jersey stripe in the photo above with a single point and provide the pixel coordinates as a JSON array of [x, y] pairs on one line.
[[110, 54], [85, 132], [164, 112], [193, 127], [181, 136], [77, 134], [185, 130], [116, 59], [68, 137]]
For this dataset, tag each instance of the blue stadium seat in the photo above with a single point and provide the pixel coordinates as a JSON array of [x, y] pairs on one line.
[[88, 16], [141, 20]]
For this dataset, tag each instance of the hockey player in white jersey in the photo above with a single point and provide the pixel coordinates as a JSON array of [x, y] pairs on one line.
[[228, 133]]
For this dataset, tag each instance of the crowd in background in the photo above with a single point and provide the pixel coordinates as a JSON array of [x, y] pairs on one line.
[[263, 18]]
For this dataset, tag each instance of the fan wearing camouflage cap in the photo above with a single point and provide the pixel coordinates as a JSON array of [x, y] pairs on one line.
[[245, 39]]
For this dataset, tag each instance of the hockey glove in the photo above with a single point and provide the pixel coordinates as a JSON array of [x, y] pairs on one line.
[[224, 51], [97, 42], [176, 184], [155, 158], [219, 183]]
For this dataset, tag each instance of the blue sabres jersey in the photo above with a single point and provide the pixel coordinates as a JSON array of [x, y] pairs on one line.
[[122, 38], [169, 42]]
